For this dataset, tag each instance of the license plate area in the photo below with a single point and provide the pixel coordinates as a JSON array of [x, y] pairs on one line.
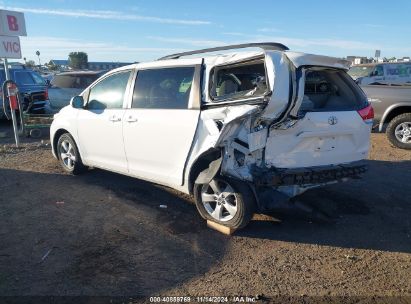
[[325, 144]]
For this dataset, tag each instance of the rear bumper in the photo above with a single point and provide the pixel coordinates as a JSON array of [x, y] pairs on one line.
[[36, 107], [310, 175], [40, 107]]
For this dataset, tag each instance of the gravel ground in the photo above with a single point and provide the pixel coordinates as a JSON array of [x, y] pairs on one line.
[[105, 234]]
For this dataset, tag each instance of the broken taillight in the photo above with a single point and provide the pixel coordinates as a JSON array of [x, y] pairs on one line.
[[46, 94], [367, 114]]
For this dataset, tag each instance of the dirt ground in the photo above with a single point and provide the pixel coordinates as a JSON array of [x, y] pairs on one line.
[[103, 234]]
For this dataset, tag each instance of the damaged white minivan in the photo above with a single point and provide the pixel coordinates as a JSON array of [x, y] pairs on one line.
[[240, 130]]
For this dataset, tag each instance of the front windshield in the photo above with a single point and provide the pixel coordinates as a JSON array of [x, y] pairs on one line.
[[360, 71]]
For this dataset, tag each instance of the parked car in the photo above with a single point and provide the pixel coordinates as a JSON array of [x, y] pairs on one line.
[[32, 88], [47, 76], [64, 86], [239, 131], [392, 105], [394, 73]]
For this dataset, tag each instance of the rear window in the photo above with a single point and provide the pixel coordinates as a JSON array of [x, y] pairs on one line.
[[28, 78], [331, 90], [238, 81], [73, 81]]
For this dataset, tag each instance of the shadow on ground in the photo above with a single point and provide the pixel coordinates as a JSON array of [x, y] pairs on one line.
[[371, 213], [98, 234], [105, 234]]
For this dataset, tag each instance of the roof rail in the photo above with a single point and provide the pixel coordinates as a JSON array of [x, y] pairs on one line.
[[266, 46]]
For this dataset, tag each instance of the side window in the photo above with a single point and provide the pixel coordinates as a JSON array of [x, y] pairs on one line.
[[77, 84], [244, 80], [109, 93], [63, 81], [38, 79], [85, 81], [167, 88], [379, 70]]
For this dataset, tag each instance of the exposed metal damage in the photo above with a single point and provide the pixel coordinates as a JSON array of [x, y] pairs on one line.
[[255, 138]]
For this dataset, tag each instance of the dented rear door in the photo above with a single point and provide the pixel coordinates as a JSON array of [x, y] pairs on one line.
[[323, 126], [279, 74]]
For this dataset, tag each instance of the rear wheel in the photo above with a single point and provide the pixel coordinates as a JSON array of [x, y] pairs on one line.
[[69, 155], [225, 201], [399, 131]]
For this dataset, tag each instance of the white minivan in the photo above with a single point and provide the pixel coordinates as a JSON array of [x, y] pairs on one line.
[[240, 130]]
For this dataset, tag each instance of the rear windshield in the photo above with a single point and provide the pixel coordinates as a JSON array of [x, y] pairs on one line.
[[23, 77], [28, 78], [238, 81], [331, 90], [73, 81]]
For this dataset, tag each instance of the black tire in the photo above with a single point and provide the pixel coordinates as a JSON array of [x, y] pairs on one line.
[[244, 202], [76, 167], [395, 123]]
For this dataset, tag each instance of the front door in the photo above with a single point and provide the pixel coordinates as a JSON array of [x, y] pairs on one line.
[[161, 124], [100, 123]]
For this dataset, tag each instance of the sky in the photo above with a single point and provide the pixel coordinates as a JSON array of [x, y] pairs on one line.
[[130, 31]]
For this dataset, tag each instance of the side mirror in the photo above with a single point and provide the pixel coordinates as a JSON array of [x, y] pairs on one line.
[[77, 102]]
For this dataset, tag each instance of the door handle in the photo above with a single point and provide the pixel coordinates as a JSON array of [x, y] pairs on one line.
[[131, 119], [115, 119]]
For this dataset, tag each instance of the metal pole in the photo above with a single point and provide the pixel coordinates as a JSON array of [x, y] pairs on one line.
[[13, 113]]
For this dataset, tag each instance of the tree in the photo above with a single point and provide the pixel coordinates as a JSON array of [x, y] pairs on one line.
[[52, 66], [78, 60], [38, 55], [30, 64]]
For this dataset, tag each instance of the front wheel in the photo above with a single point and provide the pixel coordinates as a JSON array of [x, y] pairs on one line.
[[399, 131], [69, 155], [225, 201]]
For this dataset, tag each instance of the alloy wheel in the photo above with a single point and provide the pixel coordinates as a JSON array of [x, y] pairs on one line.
[[403, 132], [67, 154], [219, 200]]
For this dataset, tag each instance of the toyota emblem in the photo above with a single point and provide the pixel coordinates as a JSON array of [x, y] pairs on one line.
[[332, 120]]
